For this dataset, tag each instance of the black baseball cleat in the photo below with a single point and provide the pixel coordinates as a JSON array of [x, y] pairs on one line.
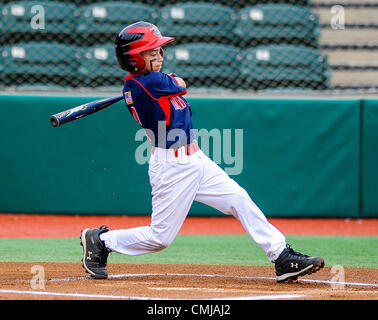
[[95, 254], [291, 264]]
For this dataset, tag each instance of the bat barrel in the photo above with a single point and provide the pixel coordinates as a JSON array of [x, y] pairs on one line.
[[86, 109]]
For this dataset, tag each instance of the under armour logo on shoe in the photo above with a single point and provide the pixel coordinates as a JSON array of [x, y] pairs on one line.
[[294, 265], [89, 255]]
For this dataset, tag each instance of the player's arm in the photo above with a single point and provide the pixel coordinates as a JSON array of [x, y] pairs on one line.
[[165, 85], [179, 80]]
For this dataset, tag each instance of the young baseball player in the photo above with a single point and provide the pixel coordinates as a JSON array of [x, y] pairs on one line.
[[179, 171]]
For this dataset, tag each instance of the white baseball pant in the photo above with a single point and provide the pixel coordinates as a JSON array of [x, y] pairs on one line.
[[179, 179]]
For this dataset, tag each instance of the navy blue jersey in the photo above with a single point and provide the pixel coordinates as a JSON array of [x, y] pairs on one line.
[[156, 101]]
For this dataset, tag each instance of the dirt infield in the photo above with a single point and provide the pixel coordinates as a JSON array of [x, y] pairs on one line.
[[67, 281]]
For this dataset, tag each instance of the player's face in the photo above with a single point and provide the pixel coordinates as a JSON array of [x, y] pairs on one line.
[[154, 60]]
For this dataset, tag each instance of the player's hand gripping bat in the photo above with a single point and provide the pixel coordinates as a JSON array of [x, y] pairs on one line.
[[83, 110]]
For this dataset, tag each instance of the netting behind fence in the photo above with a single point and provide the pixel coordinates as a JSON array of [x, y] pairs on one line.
[[245, 45]]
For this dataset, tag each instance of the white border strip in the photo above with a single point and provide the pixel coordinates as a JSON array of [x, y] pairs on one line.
[[103, 296], [130, 275]]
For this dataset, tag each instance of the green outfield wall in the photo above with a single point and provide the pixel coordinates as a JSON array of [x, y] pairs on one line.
[[369, 158], [295, 157]]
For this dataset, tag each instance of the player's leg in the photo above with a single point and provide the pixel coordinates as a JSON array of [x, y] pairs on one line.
[[174, 185], [221, 192], [218, 190]]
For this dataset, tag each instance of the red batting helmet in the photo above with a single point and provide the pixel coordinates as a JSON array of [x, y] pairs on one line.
[[133, 40]]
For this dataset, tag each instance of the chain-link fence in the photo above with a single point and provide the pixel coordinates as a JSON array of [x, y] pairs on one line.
[[245, 45]]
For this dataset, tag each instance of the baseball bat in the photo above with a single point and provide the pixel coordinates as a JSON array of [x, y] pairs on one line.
[[83, 110]]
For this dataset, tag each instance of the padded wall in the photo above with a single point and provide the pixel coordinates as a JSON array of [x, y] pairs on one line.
[[300, 157]]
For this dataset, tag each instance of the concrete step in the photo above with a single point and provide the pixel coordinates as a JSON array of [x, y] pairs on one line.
[[351, 15], [342, 2], [349, 36], [352, 57], [358, 77]]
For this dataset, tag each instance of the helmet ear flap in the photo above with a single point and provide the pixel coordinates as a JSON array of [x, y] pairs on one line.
[[134, 65], [131, 65]]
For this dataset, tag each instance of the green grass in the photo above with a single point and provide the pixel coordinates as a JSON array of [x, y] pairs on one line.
[[193, 249]]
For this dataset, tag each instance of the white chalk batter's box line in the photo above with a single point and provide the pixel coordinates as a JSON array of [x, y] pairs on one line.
[[104, 296], [130, 275]]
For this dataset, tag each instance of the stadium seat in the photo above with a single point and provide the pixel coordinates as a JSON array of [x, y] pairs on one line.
[[279, 66], [197, 21], [242, 3], [34, 20], [99, 67], [204, 64], [294, 2], [40, 61], [106, 19], [276, 24]]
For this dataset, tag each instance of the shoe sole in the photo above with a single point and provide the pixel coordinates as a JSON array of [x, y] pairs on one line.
[[83, 244], [291, 277]]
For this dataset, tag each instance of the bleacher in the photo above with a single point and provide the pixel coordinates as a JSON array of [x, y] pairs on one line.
[[249, 45]]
